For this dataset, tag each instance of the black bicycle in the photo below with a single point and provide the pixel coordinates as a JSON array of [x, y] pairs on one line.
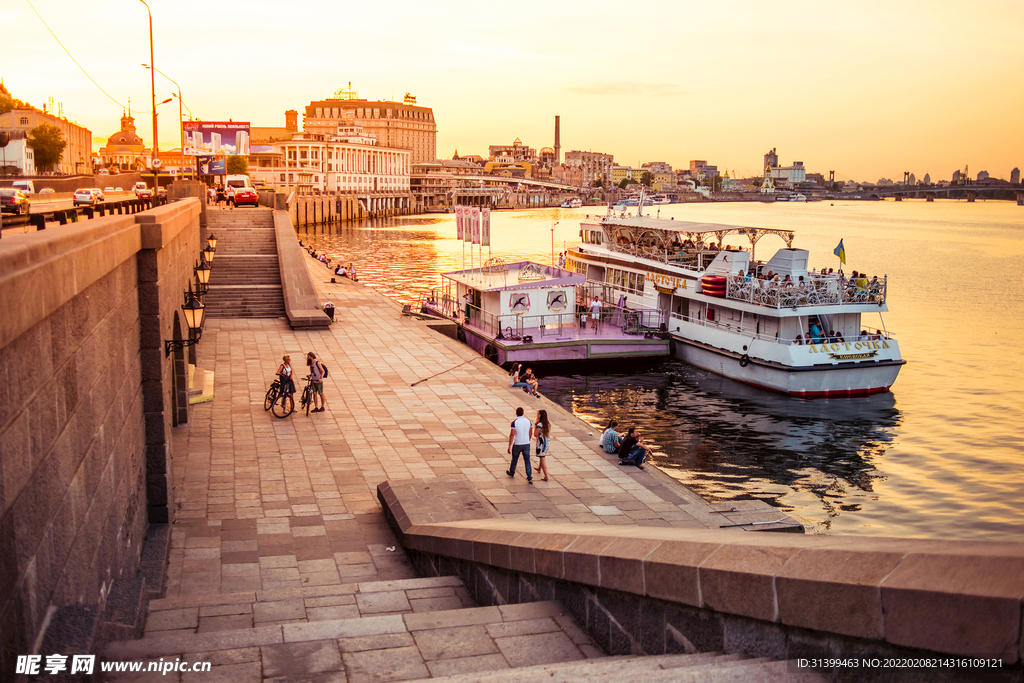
[[307, 394], [282, 404]]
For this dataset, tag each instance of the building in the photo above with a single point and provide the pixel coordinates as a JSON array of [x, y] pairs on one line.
[[348, 160], [396, 125], [927, 179], [77, 153], [656, 167], [125, 149], [702, 169], [594, 166], [17, 157], [982, 175], [789, 175], [1015, 176], [515, 153], [771, 159]]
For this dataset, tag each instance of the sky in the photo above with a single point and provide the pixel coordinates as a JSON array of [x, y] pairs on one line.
[[868, 89]]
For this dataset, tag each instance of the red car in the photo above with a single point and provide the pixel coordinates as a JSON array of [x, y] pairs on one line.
[[246, 195], [144, 194]]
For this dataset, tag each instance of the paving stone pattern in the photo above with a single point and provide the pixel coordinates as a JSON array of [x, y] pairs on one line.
[[282, 565]]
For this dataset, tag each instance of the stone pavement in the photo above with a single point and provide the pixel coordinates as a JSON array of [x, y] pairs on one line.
[[261, 502]]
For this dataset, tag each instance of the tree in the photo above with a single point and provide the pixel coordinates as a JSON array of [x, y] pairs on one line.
[[237, 166], [626, 182], [646, 178], [598, 183], [48, 143], [716, 183]]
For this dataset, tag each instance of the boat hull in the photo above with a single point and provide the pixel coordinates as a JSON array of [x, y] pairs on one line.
[[837, 381]]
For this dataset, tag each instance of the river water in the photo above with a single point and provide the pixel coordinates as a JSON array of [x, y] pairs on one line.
[[941, 456]]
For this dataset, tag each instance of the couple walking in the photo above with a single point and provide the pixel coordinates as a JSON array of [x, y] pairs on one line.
[[519, 438]]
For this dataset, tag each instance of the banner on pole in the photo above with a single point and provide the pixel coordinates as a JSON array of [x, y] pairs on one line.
[[467, 231], [485, 227], [460, 230], [475, 222]]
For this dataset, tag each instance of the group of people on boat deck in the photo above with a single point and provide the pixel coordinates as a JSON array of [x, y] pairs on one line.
[[526, 381], [857, 287], [816, 336], [629, 446]]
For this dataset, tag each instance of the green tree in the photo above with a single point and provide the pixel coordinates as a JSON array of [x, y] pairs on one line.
[[716, 183], [626, 182], [646, 178], [48, 143], [237, 166], [598, 183]]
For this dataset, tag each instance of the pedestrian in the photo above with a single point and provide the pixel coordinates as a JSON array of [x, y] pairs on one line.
[[595, 312], [519, 438], [316, 369], [220, 195], [610, 439], [468, 300], [542, 430], [284, 373], [230, 194], [561, 260]]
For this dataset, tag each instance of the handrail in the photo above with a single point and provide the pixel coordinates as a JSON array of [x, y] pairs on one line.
[[726, 327], [812, 291]]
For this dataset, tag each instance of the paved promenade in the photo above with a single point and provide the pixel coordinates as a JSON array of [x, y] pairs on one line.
[[288, 508]]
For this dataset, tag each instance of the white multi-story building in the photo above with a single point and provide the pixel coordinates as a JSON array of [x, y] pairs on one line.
[[791, 175], [348, 160]]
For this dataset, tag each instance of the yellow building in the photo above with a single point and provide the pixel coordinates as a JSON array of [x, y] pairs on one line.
[[125, 148], [76, 157]]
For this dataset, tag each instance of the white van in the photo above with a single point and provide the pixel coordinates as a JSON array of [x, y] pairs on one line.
[[26, 186], [139, 187], [237, 181]]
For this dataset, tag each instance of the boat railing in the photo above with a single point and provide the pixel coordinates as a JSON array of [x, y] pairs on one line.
[[878, 335], [687, 258], [811, 291]]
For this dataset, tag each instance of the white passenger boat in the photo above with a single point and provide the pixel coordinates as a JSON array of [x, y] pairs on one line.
[[723, 320], [573, 203]]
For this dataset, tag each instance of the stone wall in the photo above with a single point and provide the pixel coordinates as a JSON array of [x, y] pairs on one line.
[[86, 398], [654, 590]]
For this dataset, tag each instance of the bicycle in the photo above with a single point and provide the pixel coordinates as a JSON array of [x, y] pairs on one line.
[[282, 405], [307, 394], [272, 392]]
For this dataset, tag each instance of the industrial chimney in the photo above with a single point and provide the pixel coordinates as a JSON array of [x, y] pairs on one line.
[[558, 143]]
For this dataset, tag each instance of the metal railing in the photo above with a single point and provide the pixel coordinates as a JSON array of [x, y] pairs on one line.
[[727, 327], [812, 291]]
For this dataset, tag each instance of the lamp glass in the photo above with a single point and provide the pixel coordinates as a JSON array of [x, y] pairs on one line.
[[212, 240], [208, 253], [203, 273]]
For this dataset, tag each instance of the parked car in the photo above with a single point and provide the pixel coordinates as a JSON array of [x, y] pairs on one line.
[[246, 195], [84, 196], [13, 201]]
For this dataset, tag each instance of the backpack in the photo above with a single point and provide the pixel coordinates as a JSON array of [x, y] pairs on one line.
[[323, 368]]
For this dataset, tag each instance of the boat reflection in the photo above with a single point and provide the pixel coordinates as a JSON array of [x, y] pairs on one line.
[[728, 441]]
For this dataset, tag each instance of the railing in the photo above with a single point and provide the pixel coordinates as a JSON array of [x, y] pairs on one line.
[[613, 319], [812, 291], [736, 329]]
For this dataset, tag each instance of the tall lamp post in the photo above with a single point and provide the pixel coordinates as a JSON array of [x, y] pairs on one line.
[[180, 128], [152, 85]]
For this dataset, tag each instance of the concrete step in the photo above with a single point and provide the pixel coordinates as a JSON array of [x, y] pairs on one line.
[[314, 603], [385, 647]]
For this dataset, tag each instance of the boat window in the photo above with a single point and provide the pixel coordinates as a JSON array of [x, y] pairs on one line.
[[625, 280]]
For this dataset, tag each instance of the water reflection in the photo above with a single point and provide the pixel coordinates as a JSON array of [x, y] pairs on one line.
[[730, 442]]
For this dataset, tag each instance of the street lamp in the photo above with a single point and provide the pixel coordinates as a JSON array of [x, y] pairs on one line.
[[553, 224], [180, 128], [193, 309], [202, 276], [152, 85]]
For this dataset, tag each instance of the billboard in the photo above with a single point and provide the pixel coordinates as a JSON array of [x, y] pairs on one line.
[[216, 137], [212, 166]]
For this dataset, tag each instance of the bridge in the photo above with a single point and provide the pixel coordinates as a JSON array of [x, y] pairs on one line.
[[929, 193]]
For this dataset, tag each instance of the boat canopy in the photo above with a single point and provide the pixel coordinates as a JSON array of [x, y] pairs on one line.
[[518, 276]]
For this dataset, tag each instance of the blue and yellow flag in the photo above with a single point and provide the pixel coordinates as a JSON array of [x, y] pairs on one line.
[[840, 251]]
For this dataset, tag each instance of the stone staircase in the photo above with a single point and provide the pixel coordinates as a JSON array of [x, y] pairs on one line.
[[408, 629], [246, 279]]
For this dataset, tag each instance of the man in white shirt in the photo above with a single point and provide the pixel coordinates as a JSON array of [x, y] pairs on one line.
[[519, 444], [595, 312]]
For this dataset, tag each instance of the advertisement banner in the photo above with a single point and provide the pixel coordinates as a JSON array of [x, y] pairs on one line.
[[485, 227], [216, 137], [475, 222], [212, 166], [467, 232], [460, 229]]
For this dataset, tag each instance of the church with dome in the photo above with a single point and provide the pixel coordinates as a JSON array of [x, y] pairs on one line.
[[125, 149]]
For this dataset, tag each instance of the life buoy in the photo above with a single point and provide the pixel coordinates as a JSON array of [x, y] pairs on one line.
[[491, 354], [713, 280], [744, 360], [461, 335]]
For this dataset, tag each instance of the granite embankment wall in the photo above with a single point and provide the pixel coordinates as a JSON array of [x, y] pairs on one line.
[[87, 401], [660, 590]]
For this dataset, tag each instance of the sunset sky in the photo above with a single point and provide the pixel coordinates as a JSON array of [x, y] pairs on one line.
[[869, 89]]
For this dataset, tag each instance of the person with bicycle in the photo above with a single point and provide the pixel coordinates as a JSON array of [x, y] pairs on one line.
[[284, 373], [316, 371]]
